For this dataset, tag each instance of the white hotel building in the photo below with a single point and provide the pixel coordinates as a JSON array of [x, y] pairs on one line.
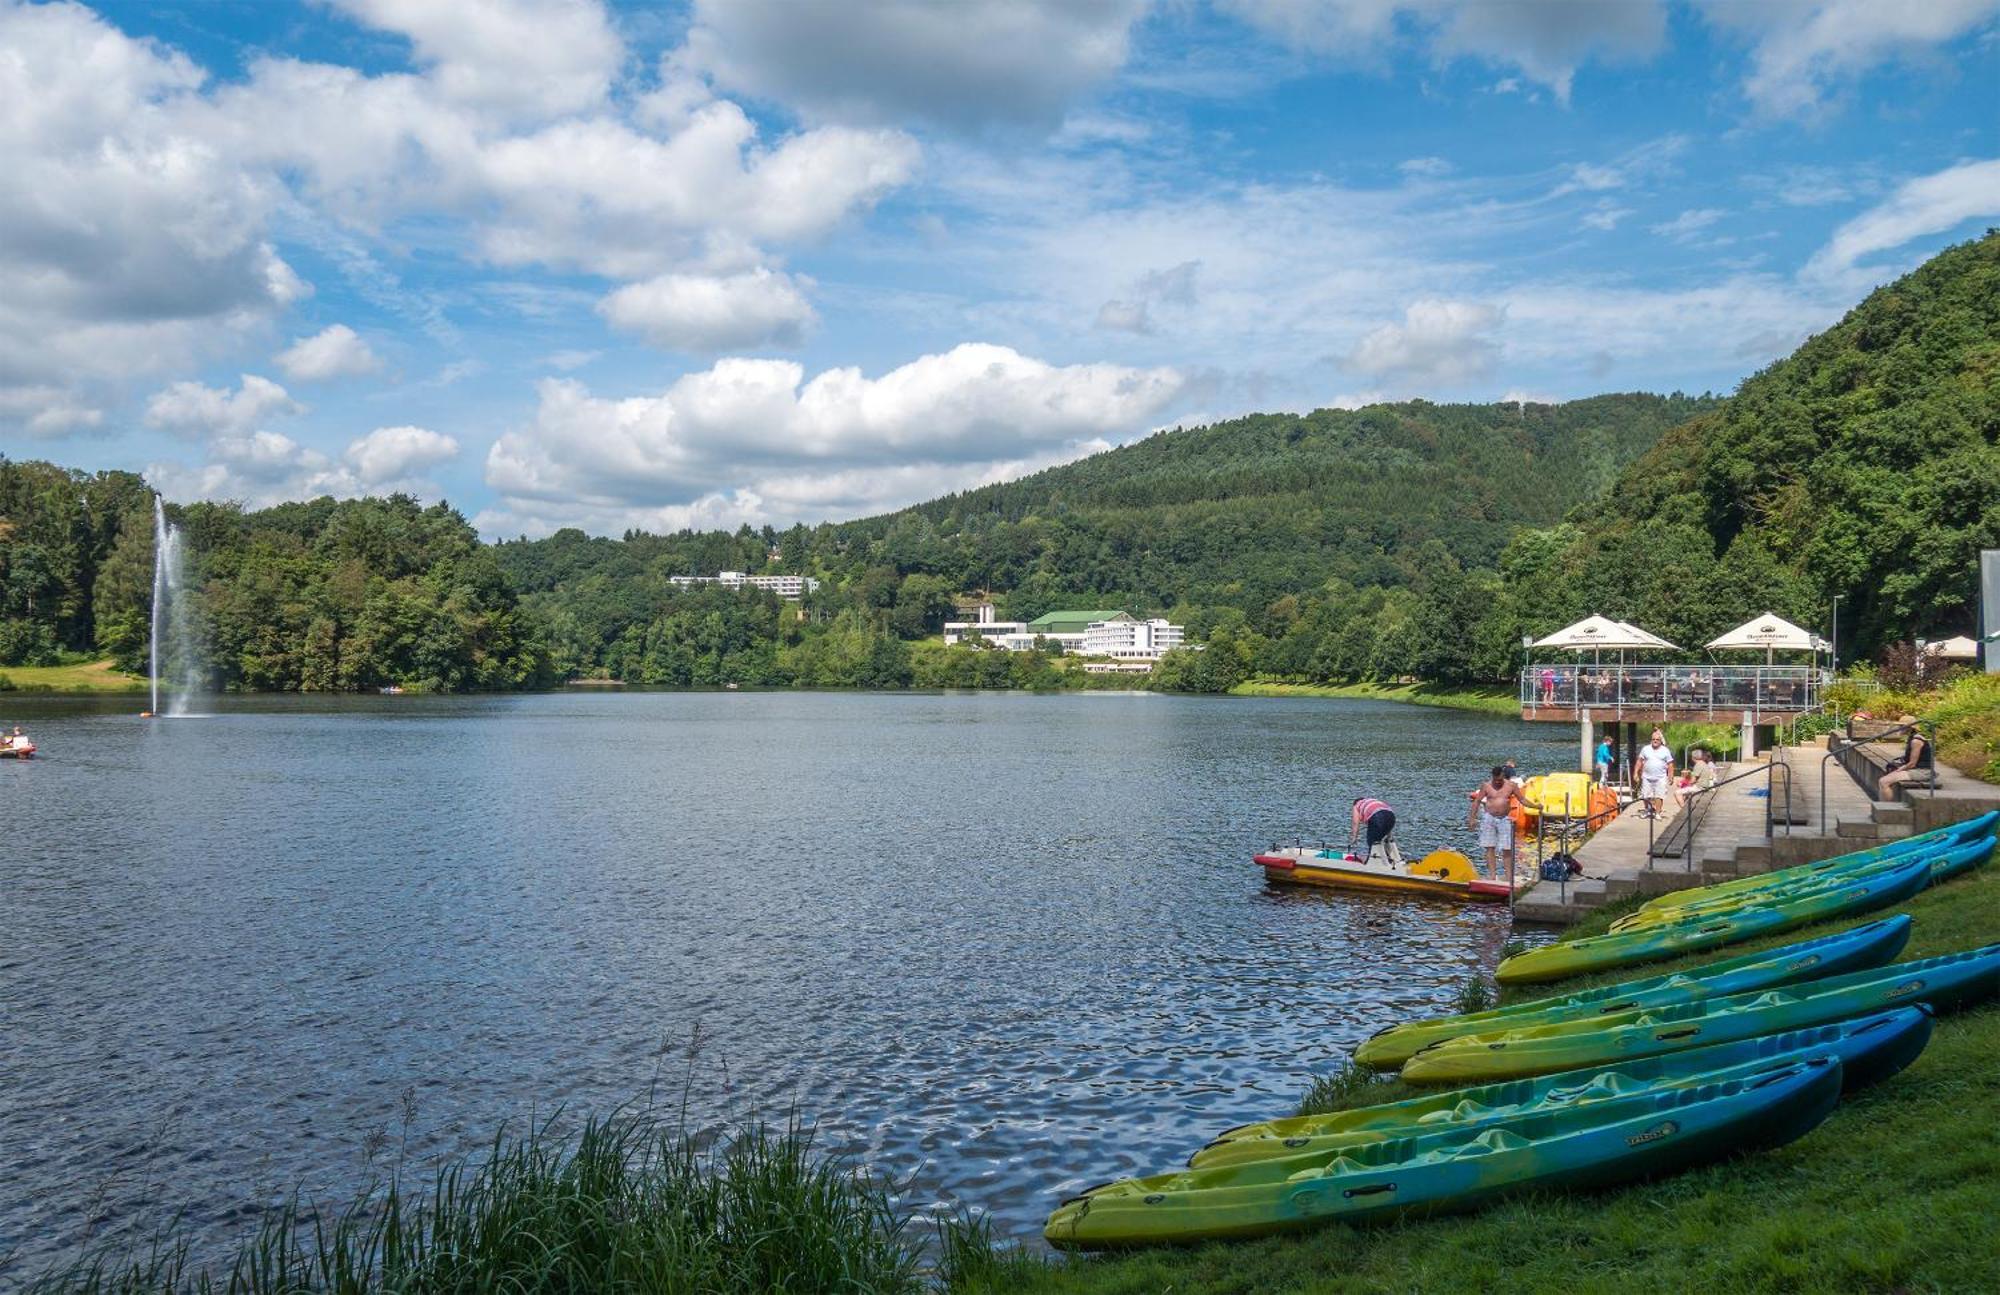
[[792, 587], [1118, 640]]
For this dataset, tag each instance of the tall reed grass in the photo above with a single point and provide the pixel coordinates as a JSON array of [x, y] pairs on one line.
[[627, 1203]]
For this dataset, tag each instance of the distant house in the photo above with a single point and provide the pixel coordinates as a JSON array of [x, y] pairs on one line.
[[1066, 629], [1012, 635], [792, 587]]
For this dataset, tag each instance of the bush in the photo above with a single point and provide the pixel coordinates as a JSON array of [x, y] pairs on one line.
[[26, 643]]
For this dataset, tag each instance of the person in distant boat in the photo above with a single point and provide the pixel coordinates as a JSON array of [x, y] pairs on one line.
[[1379, 821], [1656, 772], [1493, 805], [19, 741]]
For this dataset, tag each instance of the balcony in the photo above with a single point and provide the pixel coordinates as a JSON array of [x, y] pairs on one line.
[[1639, 692]]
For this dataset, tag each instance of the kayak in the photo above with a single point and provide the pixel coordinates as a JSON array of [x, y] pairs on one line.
[[1944, 983], [1955, 834], [1442, 874], [1870, 1049], [1672, 939], [1947, 861], [1865, 946], [1595, 1145]]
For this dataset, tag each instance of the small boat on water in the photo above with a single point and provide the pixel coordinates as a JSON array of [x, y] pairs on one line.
[[18, 752], [1445, 874]]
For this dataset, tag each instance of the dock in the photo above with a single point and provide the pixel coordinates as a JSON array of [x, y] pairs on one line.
[[1743, 832]]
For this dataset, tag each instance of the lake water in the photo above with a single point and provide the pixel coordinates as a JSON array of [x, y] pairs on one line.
[[1006, 945]]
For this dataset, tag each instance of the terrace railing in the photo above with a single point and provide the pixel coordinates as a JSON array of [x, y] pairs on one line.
[[1665, 691]]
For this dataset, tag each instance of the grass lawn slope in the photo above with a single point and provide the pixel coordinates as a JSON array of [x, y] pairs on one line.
[[94, 676], [1896, 1192]]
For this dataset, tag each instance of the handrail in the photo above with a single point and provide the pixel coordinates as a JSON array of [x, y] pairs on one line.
[[1925, 728], [1698, 814]]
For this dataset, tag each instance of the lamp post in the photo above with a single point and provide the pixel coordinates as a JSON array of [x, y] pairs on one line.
[[1527, 642], [1833, 638]]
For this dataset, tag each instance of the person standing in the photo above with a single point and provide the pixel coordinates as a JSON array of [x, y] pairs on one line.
[[1604, 758], [1379, 821], [1656, 768], [1493, 806]]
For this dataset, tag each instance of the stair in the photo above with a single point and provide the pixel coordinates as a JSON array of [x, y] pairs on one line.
[[1661, 881], [1872, 829], [1894, 813]]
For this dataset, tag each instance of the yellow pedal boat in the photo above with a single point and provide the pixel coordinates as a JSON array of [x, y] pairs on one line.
[[1446, 874]]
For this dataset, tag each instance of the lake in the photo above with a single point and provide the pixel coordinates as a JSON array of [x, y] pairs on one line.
[[1004, 946]]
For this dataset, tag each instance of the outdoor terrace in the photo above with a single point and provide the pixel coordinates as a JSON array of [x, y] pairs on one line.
[[1770, 693]]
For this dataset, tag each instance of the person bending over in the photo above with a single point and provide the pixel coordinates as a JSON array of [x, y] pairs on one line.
[[1379, 821], [1493, 803]]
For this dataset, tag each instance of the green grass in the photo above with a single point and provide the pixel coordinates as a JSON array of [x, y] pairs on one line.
[[1493, 701], [93, 676], [625, 1204], [1896, 1192]]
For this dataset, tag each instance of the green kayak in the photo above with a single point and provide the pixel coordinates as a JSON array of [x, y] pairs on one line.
[[1656, 943], [1944, 983], [1870, 945], [1870, 1049], [1956, 834], [1947, 861], [1597, 1144]]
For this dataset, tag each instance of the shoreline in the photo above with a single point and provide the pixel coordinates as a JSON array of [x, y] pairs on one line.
[[1495, 700]]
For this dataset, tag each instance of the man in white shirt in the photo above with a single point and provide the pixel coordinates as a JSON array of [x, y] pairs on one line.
[[1656, 768]]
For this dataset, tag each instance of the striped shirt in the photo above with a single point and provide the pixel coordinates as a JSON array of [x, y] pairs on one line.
[[1368, 807]]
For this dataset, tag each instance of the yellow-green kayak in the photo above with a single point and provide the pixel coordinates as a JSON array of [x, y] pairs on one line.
[[1956, 834], [1944, 983], [1869, 945], [1593, 1145], [1870, 1048], [1670, 940]]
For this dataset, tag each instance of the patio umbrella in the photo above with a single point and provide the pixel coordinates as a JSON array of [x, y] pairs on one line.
[[1771, 632], [1652, 639], [1960, 648], [1600, 632]]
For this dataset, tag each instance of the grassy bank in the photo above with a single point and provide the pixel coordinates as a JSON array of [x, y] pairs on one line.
[[1493, 701], [1895, 1192], [89, 677]]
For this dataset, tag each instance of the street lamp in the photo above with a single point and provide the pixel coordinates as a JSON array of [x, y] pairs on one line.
[[1833, 639]]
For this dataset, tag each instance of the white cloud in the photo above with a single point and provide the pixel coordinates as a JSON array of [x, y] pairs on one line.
[[1605, 215], [568, 360], [1684, 227], [1547, 40], [1446, 342], [1804, 48], [335, 351], [46, 412], [193, 410], [532, 56], [707, 313], [390, 454], [810, 448], [1931, 204], [128, 242], [966, 65], [1425, 167], [261, 468]]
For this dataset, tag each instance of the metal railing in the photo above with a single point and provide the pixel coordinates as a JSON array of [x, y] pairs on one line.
[[1572, 827], [1669, 689], [1703, 802], [1837, 747]]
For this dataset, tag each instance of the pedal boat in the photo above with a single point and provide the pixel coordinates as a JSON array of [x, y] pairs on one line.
[[1444, 874]]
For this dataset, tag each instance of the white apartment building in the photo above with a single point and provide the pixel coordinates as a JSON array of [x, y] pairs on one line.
[[1126, 638], [792, 587], [1012, 635]]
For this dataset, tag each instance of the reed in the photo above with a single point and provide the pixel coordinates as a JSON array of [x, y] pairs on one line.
[[627, 1203]]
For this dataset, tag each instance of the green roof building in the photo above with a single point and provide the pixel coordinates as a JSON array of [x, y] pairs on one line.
[[1069, 622]]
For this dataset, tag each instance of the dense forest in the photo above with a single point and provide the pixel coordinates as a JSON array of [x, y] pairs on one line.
[[1393, 541]]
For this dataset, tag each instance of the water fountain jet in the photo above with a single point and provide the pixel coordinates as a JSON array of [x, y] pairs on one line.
[[171, 642]]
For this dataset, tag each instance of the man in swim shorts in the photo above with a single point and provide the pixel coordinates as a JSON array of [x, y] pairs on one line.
[[1379, 820], [1493, 803]]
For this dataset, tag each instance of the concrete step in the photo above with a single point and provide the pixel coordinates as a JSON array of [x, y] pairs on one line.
[[1659, 881], [1893, 813], [1587, 894], [1616, 887], [1860, 829], [1753, 854]]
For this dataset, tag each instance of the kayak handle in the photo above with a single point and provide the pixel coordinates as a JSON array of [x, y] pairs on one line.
[[1617, 1007], [1375, 1190], [1689, 1032]]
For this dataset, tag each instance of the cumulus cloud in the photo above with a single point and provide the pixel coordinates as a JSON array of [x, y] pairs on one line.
[[46, 412], [1802, 49], [390, 454], [262, 467], [1930, 204], [194, 410], [709, 313], [534, 56], [1547, 40], [760, 429], [1439, 341], [336, 351], [966, 65]]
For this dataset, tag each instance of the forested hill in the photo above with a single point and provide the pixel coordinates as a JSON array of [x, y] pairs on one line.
[[1242, 512], [1866, 464]]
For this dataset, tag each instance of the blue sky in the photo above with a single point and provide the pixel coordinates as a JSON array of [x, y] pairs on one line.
[[568, 263]]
